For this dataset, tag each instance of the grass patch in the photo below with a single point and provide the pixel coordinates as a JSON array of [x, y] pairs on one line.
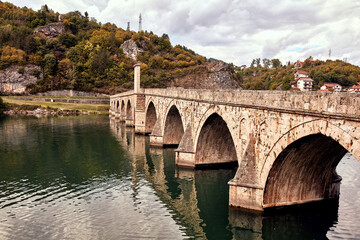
[[98, 108], [59, 97]]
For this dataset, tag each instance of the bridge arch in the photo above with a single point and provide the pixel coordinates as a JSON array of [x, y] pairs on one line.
[[214, 142], [301, 166], [173, 126], [150, 117], [122, 108], [128, 110], [117, 108]]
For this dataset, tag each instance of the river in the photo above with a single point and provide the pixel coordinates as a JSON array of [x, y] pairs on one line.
[[92, 178]]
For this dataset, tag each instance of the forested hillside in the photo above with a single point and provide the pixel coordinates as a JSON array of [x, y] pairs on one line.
[[86, 55], [271, 74], [73, 51]]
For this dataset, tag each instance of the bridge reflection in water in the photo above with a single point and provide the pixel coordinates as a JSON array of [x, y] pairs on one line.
[[198, 199]]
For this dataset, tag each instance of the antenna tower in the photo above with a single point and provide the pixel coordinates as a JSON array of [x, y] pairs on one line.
[[128, 27], [140, 20]]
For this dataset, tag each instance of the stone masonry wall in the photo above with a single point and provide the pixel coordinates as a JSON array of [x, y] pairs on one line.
[[317, 102]]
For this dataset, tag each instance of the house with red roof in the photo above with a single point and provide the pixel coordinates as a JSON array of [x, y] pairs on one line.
[[354, 88], [331, 87], [298, 64], [303, 82], [301, 74]]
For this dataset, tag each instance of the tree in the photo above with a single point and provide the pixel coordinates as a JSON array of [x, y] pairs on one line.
[[253, 62], [44, 8], [49, 64], [164, 42], [67, 39], [275, 63], [10, 56], [100, 61], [258, 64], [266, 62], [307, 62]]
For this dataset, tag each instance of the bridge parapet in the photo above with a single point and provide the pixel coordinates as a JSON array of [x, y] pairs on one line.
[[316, 102]]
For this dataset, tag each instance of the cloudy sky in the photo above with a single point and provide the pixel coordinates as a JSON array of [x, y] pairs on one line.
[[236, 30]]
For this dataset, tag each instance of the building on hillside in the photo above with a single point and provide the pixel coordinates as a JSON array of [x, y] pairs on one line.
[[242, 67], [298, 64], [293, 84], [331, 87], [305, 84], [354, 88], [301, 74]]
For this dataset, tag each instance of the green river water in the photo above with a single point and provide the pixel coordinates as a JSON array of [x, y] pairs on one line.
[[93, 178]]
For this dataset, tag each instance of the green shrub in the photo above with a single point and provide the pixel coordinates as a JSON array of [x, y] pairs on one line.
[[21, 70]]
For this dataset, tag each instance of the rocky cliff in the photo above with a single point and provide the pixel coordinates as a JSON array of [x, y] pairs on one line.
[[15, 79], [51, 30], [131, 49], [214, 75]]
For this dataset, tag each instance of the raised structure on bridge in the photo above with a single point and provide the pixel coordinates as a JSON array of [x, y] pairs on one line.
[[286, 144]]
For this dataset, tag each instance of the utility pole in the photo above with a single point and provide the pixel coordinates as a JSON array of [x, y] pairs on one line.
[[140, 20]]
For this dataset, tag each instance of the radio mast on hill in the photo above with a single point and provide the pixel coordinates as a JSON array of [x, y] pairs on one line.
[[140, 20]]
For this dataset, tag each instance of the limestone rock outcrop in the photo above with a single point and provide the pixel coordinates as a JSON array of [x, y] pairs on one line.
[[15, 79], [131, 49], [214, 75], [51, 30], [219, 77]]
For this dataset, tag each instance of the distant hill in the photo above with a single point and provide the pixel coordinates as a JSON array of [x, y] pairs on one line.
[[270, 77], [77, 52]]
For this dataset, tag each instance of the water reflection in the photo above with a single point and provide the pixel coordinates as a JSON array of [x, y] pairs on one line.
[[199, 200], [91, 178], [309, 222]]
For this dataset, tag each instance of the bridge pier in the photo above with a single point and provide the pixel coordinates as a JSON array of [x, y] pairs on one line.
[[244, 190], [140, 122], [185, 153], [245, 196], [156, 136], [129, 122], [185, 159], [121, 116], [140, 115], [156, 141]]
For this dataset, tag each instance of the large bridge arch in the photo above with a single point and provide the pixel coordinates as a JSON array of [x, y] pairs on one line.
[[173, 129], [214, 140], [301, 165], [150, 117]]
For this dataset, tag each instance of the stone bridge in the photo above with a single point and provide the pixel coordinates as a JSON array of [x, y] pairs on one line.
[[286, 144]]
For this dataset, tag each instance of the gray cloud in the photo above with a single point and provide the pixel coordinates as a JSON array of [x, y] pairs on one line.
[[237, 30]]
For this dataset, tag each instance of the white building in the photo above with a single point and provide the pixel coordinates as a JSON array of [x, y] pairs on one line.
[[331, 87], [305, 84], [301, 74]]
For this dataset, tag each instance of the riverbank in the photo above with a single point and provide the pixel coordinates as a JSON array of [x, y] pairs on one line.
[[54, 107]]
